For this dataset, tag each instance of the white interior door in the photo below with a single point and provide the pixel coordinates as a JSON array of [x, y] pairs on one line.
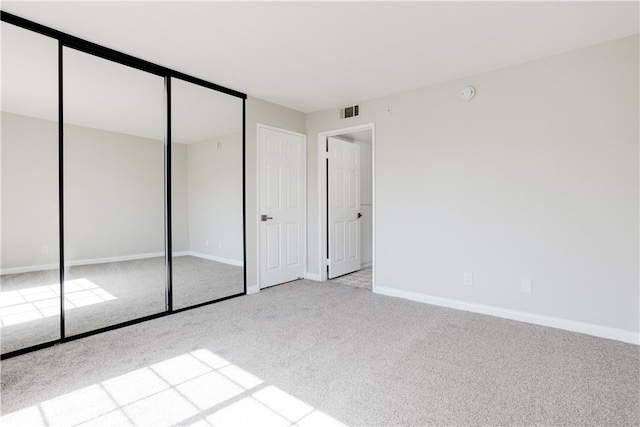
[[343, 172], [282, 192]]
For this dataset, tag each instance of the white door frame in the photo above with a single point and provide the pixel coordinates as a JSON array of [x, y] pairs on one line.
[[322, 194], [303, 249]]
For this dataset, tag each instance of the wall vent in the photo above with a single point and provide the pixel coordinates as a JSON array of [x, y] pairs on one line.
[[348, 112]]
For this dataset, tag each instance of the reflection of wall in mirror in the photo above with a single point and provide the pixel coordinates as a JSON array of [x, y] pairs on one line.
[[179, 199], [29, 176], [215, 198], [113, 196]]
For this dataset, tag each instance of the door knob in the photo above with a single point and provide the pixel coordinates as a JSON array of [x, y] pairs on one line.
[[264, 217], [359, 215]]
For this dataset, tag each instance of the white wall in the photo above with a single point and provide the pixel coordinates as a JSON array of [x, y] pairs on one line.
[[114, 194], [535, 178], [259, 111], [179, 198], [215, 197], [29, 174]]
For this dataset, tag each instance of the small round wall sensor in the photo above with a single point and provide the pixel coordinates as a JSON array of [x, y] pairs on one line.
[[467, 93]]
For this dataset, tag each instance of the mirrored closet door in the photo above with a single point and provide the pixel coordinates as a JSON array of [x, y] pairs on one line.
[[29, 254], [113, 193], [206, 194], [122, 189]]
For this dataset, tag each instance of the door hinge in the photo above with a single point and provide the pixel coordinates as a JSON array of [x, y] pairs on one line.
[[328, 262]]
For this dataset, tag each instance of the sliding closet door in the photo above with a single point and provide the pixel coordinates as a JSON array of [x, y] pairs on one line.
[[207, 194], [113, 193], [29, 256]]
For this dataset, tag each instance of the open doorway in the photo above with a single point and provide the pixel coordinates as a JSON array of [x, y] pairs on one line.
[[347, 205]]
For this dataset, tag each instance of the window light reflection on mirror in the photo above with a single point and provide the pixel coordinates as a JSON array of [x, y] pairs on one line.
[[38, 302]]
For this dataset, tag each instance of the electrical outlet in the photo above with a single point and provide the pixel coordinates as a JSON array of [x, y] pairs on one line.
[[525, 286], [206, 242], [219, 244], [44, 249], [468, 279]]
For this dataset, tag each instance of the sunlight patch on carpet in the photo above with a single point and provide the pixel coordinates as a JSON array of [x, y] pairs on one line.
[[195, 389]]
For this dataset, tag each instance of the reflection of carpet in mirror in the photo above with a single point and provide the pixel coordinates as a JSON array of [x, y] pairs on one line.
[[361, 278], [101, 295]]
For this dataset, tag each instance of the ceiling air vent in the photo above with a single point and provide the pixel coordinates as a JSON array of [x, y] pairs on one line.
[[348, 112]]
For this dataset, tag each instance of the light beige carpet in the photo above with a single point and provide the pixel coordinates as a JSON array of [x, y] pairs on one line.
[[308, 353]]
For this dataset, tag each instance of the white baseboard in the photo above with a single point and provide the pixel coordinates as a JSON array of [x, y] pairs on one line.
[[216, 258], [366, 264], [43, 267], [522, 316], [311, 276], [28, 269]]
